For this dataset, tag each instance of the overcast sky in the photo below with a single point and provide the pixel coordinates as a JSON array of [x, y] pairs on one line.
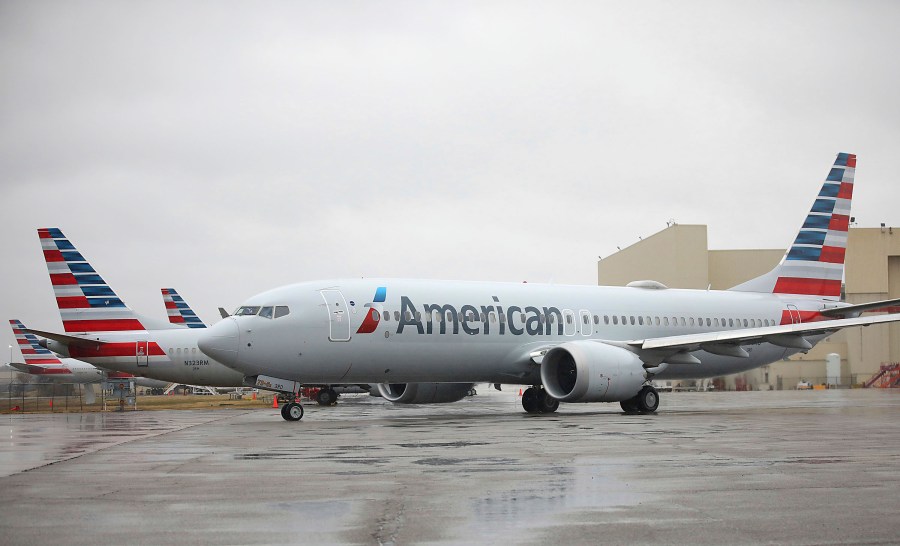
[[225, 148]]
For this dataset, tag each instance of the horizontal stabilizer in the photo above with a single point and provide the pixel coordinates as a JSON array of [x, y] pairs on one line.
[[66, 339], [885, 306]]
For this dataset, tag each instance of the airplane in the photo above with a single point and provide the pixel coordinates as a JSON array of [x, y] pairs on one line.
[[41, 362], [568, 343], [102, 330]]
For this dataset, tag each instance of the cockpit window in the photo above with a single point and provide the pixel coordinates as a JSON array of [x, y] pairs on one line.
[[266, 312], [281, 310], [247, 310]]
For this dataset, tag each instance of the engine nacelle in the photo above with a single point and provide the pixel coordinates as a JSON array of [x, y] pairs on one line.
[[424, 393], [589, 371], [55, 346]]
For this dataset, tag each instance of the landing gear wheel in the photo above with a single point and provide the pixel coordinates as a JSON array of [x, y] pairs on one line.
[[630, 405], [326, 397], [548, 404], [531, 400], [292, 411], [647, 400]]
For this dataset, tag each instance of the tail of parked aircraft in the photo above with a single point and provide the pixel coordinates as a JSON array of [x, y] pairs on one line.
[[179, 311], [86, 303], [32, 352], [814, 265]]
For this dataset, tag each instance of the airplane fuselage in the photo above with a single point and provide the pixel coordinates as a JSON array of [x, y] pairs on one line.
[[442, 331], [167, 355]]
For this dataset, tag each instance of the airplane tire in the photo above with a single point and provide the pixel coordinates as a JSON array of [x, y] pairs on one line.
[[326, 397], [548, 404], [294, 412], [630, 405], [284, 414], [531, 400], [648, 400]]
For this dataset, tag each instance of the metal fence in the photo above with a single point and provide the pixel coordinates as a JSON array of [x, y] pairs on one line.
[[61, 398]]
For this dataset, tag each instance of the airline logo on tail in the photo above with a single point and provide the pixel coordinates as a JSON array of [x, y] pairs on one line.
[[814, 265], [36, 357], [179, 311], [86, 303]]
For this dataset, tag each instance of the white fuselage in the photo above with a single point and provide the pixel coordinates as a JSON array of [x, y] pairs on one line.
[[167, 355], [442, 331]]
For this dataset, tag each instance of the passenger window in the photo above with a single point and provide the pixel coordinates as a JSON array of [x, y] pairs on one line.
[[387, 315], [418, 316], [730, 323], [624, 321], [708, 323], [493, 317], [170, 351], [502, 318], [615, 320], [397, 316], [716, 321], [745, 323], [666, 321], [692, 321], [584, 319], [522, 317], [266, 312], [596, 319], [281, 310], [193, 350], [632, 320], [178, 351], [682, 321], [641, 321], [408, 315], [656, 320], [605, 319]]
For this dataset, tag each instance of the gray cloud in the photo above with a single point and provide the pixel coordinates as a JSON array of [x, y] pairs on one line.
[[226, 148]]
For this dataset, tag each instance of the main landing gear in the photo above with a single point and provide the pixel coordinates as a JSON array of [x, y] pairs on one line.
[[327, 397], [292, 411], [646, 401], [536, 400]]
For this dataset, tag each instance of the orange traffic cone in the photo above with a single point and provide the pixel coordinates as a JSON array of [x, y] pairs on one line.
[[275, 401], [254, 396], [520, 392]]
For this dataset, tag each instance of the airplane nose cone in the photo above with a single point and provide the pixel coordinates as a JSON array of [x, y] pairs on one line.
[[221, 342]]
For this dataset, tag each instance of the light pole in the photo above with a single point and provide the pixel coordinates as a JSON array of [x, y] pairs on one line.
[[10, 355]]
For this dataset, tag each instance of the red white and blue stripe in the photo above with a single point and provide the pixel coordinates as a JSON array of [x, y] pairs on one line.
[[179, 311], [86, 303], [814, 265], [38, 360]]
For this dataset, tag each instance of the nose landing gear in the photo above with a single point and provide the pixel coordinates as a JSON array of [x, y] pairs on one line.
[[292, 411]]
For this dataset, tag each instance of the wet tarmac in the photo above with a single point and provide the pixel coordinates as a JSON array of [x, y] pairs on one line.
[[817, 467]]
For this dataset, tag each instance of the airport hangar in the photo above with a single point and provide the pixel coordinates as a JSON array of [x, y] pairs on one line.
[[678, 257]]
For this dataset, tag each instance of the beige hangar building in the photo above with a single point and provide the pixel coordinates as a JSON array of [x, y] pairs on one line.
[[679, 258]]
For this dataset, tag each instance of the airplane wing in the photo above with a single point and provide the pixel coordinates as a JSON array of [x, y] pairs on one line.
[[676, 349], [65, 339], [890, 306]]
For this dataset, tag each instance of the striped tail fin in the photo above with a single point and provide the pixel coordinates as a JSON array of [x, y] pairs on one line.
[[32, 352], [179, 311], [814, 265], [86, 303]]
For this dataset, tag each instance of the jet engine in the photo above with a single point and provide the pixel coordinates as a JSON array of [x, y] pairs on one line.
[[590, 371], [55, 346], [424, 393]]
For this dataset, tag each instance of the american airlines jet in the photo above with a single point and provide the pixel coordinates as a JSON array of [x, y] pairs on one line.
[[569, 343], [41, 362], [102, 330]]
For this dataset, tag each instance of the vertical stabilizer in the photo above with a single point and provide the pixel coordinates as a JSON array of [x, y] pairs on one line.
[[86, 303], [179, 311], [32, 352], [814, 264]]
